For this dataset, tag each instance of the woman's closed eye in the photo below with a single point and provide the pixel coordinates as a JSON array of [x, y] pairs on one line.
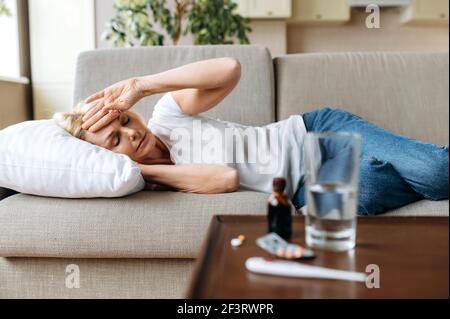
[[124, 120], [116, 139]]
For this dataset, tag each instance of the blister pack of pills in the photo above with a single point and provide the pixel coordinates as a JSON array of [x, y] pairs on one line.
[[275, 245]]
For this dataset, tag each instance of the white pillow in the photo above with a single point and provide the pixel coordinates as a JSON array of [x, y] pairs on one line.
[[40, 158]]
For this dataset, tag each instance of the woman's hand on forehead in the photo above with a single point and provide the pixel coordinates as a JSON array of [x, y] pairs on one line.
[[114, 99], [99, 117]]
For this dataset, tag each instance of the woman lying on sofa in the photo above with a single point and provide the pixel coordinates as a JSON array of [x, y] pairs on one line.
[[394, 170]]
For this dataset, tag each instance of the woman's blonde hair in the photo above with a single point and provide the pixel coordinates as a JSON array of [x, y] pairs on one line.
[[72, 121]]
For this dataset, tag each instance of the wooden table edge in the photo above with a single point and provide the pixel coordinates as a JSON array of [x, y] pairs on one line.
[[201, 262], [196, 279]]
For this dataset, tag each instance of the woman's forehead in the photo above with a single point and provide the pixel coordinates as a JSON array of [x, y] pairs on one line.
[[134, 115], [100, 137]]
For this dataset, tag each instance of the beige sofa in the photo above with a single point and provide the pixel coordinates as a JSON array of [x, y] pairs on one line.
[[145, 245]]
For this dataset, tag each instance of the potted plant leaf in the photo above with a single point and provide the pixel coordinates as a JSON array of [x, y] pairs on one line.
[[4, 11], [209, 22]]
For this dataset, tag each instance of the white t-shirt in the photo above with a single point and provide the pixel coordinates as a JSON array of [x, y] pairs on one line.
[[258, 153]]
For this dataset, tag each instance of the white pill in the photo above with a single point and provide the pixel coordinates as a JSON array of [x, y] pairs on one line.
[[236, 242]]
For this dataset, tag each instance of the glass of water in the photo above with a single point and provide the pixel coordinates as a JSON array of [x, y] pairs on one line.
[[331, 186]]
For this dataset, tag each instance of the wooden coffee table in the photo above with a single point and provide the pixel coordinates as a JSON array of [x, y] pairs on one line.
[[412, 255]]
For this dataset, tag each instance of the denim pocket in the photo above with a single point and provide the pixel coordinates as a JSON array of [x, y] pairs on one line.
[[375, 161]]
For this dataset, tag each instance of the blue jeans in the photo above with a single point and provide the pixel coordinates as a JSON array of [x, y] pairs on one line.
[[394, 170]]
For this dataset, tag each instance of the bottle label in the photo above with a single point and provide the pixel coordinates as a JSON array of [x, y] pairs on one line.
[[274, 201]]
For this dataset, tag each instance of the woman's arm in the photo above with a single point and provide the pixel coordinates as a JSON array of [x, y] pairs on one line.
[[196, 87], [193, 178]]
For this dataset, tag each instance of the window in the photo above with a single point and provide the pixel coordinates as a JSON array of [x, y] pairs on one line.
[[9, 42]]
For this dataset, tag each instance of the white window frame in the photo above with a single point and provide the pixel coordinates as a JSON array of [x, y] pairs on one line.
[[10, 67]]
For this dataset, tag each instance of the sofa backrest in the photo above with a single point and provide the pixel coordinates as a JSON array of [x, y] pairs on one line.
[[404, 92], [251, 103]]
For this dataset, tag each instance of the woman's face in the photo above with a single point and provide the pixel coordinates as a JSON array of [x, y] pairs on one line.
[[125, 135]]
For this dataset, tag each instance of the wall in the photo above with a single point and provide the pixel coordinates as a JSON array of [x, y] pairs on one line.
[[271, 34], [14, 101], [15, 89], [56, 37], [282, 38], [103, 12], [71, 26], [354, 36], [9, 33]]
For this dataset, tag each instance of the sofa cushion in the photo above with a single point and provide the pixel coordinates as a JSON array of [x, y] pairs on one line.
[[404, 92], [144, 225], [44, 278], [252, 102], [422, 208]]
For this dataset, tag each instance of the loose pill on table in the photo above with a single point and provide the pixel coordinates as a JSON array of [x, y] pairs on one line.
[[241, 238], [281, 252], [289, 254], [298, 252], [236, 242]]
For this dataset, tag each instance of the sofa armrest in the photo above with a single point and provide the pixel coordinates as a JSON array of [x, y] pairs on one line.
[[4, 192]]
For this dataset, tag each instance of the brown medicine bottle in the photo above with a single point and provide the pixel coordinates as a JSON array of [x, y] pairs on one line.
[[279, 210]]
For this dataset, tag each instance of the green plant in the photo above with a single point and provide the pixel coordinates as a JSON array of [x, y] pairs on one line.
[[209, 21], [213, 22], [4, 9]]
